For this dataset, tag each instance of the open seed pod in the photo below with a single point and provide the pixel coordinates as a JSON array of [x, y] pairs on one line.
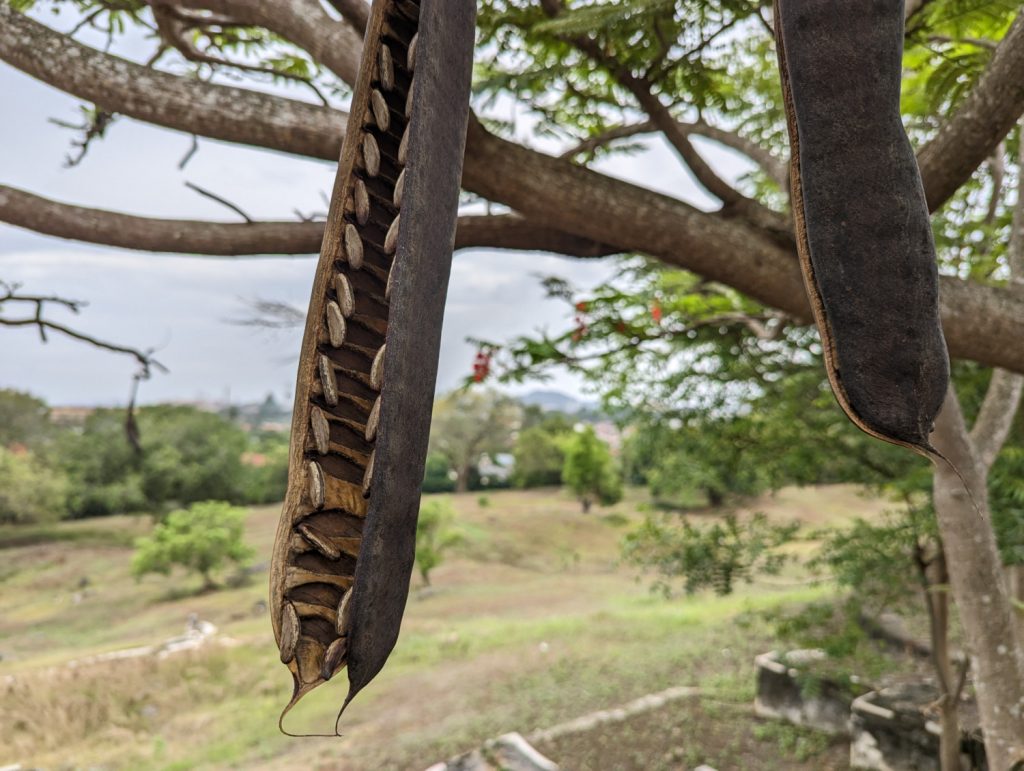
[[346, 539], [862, 225]]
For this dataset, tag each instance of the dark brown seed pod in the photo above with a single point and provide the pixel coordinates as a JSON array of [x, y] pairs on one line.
[[411, 56], [357, 455], [863, 231]]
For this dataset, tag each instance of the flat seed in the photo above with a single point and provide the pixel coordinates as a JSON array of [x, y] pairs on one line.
[[381, 114], [411, 56], [335, 324], [371, 155], [353, 246], [408, 99], [377, 369], [289, 632], [327, 381], [368, 476], [346, 300], [362, 200], [372, 421], [387, 286], [403, 148], [399, 190], [391, 239], [387, 68], [342, 624], [334, 657], [321, 430], [316, 484], [319, 542]]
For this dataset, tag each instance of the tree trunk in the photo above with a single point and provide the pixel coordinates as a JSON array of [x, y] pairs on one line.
[[979, 588], [586, 503], [1015, 586], [462, 480], [937, 599]]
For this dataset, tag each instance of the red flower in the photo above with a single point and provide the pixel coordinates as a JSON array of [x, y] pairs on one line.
[[656, 312]]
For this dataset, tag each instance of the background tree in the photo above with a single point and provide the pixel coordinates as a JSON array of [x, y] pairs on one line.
[[202, 539], [24, 419], [590, 471], [468, 424], [592, 78], [436, 534], [540, 453], [29, 491]]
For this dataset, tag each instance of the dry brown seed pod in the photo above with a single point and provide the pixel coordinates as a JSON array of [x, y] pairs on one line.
[[399, 189], [319, 541], [316, 485], [362, 201], [387, 68], [377, 369], [344, 614], [335, 324], [391, 239], [327, 381], [346, 299], [289, 632], [353, 246], [387, 286], [381, 114], [408, 100], [334, 657], [368, 477], [321, 430], [371, 155], [372, 421], [403, 148]]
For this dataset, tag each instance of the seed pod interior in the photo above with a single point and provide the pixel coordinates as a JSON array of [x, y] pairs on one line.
[[346, 538]]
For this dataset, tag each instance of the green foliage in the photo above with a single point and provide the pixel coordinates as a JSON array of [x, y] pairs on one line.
[[265, 469], [24, 419], [29, 492], [470, 423], [201, 539], [437, 477], [539, 457], [715, 556], [187, 455], [436, 534], [589, 470]]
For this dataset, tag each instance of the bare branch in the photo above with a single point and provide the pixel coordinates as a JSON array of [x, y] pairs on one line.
[[589, 145], [355, 12], [37, 304], [223, 201]]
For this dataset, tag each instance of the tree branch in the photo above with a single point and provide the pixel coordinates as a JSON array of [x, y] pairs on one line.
[[231, 239], [355, 12], [120, 86]]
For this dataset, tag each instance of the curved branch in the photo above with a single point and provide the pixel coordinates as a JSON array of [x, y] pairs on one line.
[[238, 239], [120, 86]]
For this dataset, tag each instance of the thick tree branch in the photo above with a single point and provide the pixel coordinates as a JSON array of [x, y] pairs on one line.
[[334, 44], [982, 121], [234, 239], [355, 12], [120, 86]]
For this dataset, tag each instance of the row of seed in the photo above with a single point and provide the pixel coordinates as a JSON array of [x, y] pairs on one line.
[[336, 313]]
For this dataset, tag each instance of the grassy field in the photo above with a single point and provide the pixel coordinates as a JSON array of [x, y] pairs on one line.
[[531, 623]]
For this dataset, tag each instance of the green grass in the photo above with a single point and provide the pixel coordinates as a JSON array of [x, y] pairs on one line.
[[531, 623]]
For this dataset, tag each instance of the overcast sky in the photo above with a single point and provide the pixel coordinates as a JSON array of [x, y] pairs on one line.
[[183, 305]]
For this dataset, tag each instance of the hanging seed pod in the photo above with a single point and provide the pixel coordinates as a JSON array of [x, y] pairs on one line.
[[863, 231], [356, 461]]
